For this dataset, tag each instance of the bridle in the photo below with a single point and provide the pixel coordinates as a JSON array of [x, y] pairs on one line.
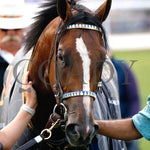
[[81, 93], [59, 95]]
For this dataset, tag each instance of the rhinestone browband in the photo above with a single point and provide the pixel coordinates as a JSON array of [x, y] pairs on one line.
[[84, 26]]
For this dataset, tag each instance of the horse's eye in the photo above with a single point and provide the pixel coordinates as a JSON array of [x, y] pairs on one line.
[[60, 57]]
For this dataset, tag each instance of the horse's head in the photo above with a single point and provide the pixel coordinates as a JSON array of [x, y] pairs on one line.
[[79, 54], [74, 44]]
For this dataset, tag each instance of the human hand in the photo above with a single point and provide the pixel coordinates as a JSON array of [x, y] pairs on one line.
[[29, 93]]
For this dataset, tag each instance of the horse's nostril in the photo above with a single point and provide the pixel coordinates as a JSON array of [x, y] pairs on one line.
[[73, 131], [78, 135]]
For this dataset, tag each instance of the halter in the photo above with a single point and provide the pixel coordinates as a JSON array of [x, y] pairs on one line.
[[60, 96]]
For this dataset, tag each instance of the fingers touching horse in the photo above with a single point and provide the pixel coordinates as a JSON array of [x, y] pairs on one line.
[[69, 51]]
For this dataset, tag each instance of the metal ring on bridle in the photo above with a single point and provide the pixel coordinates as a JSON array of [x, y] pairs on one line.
[[54, 110], [47, 131]]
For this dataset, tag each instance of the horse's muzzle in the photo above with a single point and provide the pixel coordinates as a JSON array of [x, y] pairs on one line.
[[78, 136]]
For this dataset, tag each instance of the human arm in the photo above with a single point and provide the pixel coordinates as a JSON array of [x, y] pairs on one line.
[[123, 129], [128, 129], [11, 133]]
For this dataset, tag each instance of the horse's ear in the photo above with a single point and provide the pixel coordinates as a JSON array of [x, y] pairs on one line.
[[102, 12], [64, 9]]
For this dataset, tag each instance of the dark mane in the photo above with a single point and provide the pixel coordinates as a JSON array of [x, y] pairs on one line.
[[42, 19], [48, 13]]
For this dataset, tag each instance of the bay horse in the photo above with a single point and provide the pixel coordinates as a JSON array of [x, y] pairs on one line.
[[73, 45], [69, 49]]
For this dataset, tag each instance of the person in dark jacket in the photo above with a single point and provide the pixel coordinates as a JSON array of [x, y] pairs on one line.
[[128, 94], [3, 66]]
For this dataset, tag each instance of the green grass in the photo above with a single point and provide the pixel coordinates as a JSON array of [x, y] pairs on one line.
[[141, 69]]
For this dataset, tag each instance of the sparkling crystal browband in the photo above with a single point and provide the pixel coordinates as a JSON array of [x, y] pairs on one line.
[[84, 26]]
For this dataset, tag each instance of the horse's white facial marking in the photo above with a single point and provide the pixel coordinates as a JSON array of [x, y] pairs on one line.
[[86, 61], [81, 48]]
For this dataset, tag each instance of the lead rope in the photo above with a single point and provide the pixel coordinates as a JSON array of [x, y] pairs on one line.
[[39, 138]]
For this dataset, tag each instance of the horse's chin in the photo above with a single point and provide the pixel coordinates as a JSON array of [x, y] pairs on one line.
[[79, 143]]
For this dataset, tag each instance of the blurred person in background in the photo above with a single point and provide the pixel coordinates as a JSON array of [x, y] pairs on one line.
[[128, 94], [12, 25]]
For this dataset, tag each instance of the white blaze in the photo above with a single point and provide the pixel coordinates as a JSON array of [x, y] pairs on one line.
[[82, 49]]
